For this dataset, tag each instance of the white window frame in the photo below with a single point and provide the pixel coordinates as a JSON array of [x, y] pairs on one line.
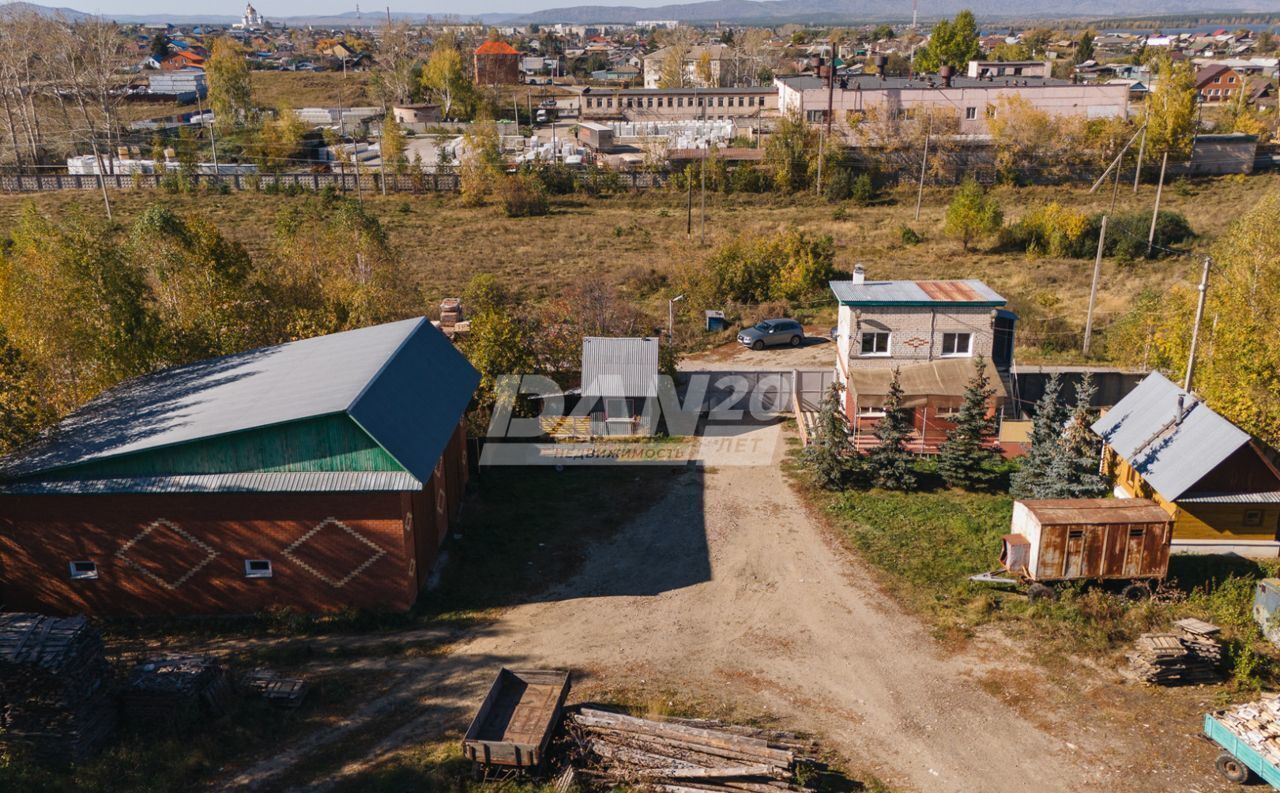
[[250, 572], [968, 353], [888, 344], [89, 573], [970, 113], [871, 411]]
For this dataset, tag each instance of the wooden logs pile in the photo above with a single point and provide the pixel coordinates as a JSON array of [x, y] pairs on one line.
[[172, 693], [682, 756], [1257, 724], [1167, 659], [55, 693]]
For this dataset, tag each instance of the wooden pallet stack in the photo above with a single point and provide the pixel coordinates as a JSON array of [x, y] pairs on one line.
[[680, 756], [1257, 724], [1165, 659], [55, 688], [283, 692], [172, 693], [1201, 640]]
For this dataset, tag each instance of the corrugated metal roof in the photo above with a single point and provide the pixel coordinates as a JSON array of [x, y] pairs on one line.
[[916, 293], [403, 382], [1271, 497], [310, 482], [1172, 456], [1061, 511], [619, 367]]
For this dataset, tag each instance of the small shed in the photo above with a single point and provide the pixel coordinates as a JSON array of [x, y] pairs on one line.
[[620, 379], [1088, 538], [715, 320]]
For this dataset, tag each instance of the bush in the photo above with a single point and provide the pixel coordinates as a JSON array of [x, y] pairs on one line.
[[749, 179], [1050, 230], [1127, 235], [523, 196], [839, 186], [909, 236], [840, 214], [783, 267], [863, 191], [556, 179]]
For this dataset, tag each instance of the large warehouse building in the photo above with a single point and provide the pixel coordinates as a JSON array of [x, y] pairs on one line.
[[320, 475]]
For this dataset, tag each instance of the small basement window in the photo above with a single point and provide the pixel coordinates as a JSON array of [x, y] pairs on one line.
[[257, 568], [84, 570], [1253, 517]]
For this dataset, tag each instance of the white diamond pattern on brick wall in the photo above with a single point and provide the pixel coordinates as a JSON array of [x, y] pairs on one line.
[[337, 583], [210, 554]]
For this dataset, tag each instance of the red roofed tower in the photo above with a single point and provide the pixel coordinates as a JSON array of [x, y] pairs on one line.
[[497, 63]]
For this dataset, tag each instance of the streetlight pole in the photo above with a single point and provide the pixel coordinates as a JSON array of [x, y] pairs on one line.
[[1195, 329], [671, 315]]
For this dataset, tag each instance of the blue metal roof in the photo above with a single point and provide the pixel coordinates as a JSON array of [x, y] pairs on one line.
[[971, 292], [403, 382], [1171, 455]]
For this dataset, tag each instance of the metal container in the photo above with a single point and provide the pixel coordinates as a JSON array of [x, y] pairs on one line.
[[1266, 608], [1077, 539]]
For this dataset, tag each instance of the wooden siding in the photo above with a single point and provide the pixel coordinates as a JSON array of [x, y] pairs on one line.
[[327, 443], [1197, 521]]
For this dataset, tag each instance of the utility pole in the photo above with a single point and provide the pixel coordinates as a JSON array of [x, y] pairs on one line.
[[1142, 149], [924, 163], [1155, 213], [1195, 329], [1093, 290], [213, 136], [688, 226], [702, 223]]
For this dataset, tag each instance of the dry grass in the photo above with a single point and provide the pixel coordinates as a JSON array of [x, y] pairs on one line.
[[621, 238]]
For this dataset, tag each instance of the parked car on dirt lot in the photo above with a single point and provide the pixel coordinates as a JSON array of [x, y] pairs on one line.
[[771, 333]]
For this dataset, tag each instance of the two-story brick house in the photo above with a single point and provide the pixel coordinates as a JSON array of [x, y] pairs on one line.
[[931, 332]]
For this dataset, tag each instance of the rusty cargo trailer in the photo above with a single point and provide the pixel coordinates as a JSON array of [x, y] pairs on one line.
[[1094, 539], [517, 719]]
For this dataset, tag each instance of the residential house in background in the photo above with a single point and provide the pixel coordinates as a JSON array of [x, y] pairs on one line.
[[1219, 83], [497, 63], [932, 331], [318, 475], [1167, 445], [714, 54]]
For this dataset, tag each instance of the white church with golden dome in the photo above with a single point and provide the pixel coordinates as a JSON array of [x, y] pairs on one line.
[[251, 20]]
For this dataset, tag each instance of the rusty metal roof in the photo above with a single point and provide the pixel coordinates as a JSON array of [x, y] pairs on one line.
[[1093, 511], [971, 292]]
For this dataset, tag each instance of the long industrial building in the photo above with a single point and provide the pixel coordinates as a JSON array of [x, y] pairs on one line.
[[317, 475]]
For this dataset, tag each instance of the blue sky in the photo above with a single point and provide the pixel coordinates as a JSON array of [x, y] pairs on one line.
[[285, 8]]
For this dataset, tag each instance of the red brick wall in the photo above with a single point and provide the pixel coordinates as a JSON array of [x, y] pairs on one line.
[[165, 571], [190, 560]]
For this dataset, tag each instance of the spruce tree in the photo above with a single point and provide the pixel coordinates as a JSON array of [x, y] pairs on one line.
[[890, 462], [966, 459], [1043, 461], [835, 461], [1081, 447]]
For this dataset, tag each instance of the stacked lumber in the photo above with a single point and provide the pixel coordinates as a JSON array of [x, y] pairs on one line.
[[171, 693], [1164, 659], [1201, 640], [1257, 724], [55, 693], [681, 756], [283, 692]]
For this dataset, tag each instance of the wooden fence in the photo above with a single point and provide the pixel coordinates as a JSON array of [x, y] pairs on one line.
[[429, 182]]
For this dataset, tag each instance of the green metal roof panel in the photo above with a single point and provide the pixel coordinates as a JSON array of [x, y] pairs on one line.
[[326, 443], [403, 383], [309, 482]]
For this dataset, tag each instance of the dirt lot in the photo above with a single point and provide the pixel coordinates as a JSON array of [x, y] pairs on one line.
[[817, 352], [726, 594]]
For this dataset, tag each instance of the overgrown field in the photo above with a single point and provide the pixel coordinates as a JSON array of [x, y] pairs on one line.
[[927, 544], [638, 242]]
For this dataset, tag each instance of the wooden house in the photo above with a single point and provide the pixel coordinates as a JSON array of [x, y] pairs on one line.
[[1215, 481]]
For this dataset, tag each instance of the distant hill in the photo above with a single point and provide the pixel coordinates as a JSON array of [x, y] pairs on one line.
[[776, 12], [769, 12]]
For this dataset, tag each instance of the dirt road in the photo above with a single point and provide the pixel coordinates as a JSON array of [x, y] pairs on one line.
[[726, 586]]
